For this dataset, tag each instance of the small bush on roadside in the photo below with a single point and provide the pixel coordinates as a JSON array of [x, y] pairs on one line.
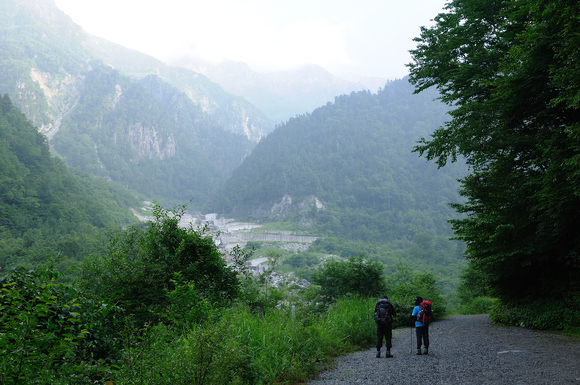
[[202, 355], [540, 314], [235, 346], [51, 333], [478, 305]]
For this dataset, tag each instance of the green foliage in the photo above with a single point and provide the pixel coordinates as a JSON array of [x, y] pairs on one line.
[[50, 332], [204, 355], [542, 314], [185, 305], [238, 347], [502, 65], [197, 342], [301, 264], [478, 305], [355, 156], [356, 276], [435, 254], [405, 284], [46, 209], [251, 245], [138, 272]]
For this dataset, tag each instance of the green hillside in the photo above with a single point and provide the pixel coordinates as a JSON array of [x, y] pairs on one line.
[[234, 113], [110, 111], [355, 157], [44, 208], [155, 140]]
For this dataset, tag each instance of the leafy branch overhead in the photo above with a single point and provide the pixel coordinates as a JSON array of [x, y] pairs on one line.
[[509, 70]]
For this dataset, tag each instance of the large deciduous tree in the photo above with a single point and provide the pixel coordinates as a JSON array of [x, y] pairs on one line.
[[511, 70]]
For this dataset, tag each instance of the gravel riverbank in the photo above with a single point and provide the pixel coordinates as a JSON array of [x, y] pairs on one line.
[[465, 350]]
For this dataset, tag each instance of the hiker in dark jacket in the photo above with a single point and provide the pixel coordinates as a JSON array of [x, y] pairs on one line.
[[384, 313], [421, 330]]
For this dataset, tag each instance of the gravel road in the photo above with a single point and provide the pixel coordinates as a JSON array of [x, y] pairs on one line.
[[464, 350]]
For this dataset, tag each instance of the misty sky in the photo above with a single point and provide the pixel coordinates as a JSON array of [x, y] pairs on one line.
[[362, 37]]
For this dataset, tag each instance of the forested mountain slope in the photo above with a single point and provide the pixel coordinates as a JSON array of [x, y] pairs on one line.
[[44, 208], [105, 122], [234, 113], [147, 136], [348, 169]]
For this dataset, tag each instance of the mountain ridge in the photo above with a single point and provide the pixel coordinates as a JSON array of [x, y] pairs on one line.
[[347, 169], [280, 94], [108, 123]]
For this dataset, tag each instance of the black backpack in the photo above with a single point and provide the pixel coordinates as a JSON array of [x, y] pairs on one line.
[[383, 314]]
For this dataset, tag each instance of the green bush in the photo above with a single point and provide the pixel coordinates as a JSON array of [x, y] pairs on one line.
[[543, 314], [236, 346], [478, 305], [406, 284], [138, 270], [196, 341], [51, 333], [204, 355], [253, 245], [354, 276]]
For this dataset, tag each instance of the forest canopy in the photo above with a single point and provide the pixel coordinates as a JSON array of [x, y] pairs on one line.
[[45, 209], [354, 156], [510, 70]]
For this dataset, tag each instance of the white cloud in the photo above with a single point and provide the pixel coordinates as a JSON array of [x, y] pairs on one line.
[[368, 37]]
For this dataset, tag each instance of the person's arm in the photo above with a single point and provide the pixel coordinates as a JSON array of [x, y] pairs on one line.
[[415, 312]]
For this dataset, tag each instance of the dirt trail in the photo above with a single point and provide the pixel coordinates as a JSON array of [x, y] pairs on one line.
[[465, 350]]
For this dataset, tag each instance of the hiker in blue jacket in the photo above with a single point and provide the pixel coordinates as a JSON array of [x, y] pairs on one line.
[[384, 313], [421, 330]]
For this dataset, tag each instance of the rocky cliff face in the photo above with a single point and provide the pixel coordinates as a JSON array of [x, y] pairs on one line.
[[45, 57], [62, 95], [287, 205], [147, 143]]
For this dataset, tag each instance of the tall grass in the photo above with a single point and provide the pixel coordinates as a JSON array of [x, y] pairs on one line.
[[238, 347]]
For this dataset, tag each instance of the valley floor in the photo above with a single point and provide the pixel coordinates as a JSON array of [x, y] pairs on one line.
[[465, 350]]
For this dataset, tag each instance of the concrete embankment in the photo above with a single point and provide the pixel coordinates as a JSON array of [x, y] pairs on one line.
[[246, 237]]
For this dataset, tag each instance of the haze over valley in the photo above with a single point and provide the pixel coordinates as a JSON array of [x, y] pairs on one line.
[[337, 163]]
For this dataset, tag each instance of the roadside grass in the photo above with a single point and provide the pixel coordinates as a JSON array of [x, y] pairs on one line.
[[238, 347]]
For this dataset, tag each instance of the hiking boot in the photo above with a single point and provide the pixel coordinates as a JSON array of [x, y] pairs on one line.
[[388, 354], [425, 351], [378, 354], [419, 351]]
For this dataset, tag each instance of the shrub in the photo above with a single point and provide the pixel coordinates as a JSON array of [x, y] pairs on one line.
[[51, 333], [355, 276], [235, 346], [137, 272], [478, 305], [541, 314], [405, 284], [203, 355]]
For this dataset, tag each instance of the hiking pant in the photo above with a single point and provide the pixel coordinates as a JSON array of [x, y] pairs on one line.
[[387, 332], [422, 334]]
